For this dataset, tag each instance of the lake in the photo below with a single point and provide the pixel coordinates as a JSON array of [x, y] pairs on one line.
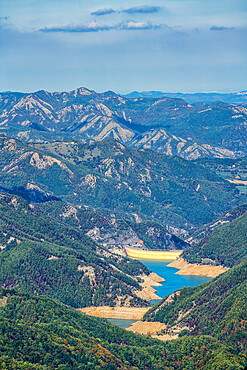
[[172, 282]]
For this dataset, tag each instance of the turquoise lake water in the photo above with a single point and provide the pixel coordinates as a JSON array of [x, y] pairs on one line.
[[172, 282]]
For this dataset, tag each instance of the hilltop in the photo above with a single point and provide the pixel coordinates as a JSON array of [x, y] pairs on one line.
[[225, 245]]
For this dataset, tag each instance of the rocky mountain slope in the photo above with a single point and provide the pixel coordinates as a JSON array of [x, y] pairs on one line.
[[168, 125], [137, 185], [109, 231], [45, 257]]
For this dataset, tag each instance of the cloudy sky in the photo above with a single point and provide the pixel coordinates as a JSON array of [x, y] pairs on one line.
[[167, 45]]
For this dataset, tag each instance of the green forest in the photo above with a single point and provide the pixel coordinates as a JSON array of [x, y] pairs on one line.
[[39, 333], [227, 245], [42, 257]]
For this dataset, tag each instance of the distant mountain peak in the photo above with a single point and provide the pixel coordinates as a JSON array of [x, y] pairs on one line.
[[82, 91]]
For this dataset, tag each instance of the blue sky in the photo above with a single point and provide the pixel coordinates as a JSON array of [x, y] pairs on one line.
[[173, 45]]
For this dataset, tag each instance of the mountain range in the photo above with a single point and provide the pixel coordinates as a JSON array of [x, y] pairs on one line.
[[139, 185], [167, 125]]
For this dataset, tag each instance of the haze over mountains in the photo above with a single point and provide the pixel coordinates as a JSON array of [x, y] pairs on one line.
[[168, 125], [231, 98]]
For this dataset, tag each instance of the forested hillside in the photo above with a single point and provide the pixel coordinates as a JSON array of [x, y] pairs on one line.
[[207, 229], [140, 185], [217, 308], [227, 245], [38, 333], [234, 170], [42, 256]]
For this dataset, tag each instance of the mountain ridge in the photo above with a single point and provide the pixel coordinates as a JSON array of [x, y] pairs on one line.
[[232, 97], [168, 125], [225, 245], [46, 257], [139, 184]]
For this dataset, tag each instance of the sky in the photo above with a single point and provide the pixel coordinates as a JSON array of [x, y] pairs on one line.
[[165, 45]]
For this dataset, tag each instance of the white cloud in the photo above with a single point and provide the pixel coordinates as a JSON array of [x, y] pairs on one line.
[[103, 11], [95, 27], [86, 27], [138, 26]]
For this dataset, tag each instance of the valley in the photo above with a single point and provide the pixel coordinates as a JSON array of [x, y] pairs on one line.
[[123, 185], [48, 332], [122, 208]]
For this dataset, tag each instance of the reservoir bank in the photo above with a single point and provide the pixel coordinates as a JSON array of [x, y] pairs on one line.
[[169, 272], [172, 282]]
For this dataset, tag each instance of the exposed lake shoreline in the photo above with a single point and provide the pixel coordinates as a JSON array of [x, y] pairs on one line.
[[149, 281], [127, 313], [163, 271], [186, 268], [155, 255]]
